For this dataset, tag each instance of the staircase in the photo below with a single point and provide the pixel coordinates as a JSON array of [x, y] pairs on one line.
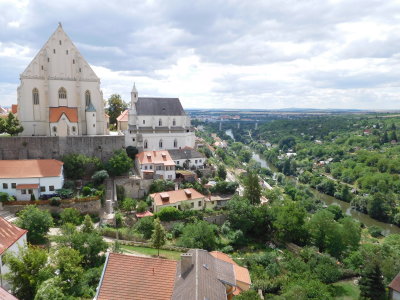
[[10, 217]]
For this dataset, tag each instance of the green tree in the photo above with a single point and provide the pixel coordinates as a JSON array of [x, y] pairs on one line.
[[145, 226], [36, 221], [128, 204], [87, 226], [27, 271], [132, 151], [161, 185], [221, 172], [252, 188], [71, 215], [120, 163], [158, 237], [100, 176], [76, 166], [50, 289], [12, 125], [377, 206], [115, 107], [241, 214], [248, 295], [371, 283], [199, 235], [141, 207]]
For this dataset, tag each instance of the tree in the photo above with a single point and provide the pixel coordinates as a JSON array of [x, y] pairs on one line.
[[12, 125], [169, 213], [377, 207], [27, 271], [132, 151], [100, 176], [120, 163], [115, 107], [71, 215], [145, 226], [87, 226], [141, 207], [76, 166], [161, 185], [221, 172], [371, 283], [252, 188], [158, 236], [50, 289], [248, 295], [241, 214], [199, 235], [36, 221]]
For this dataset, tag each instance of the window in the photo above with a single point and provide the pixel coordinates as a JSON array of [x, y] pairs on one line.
[[195, 161], [178, 162], [144, 121], [145, 167], [145, 144], [51, 188], [54, 129], [60, 42], [30, 191], [42, 188], [199, 204], [80, 70], [54, 51], [23, 192], [42, 68], [173, 122], [212, 202], [48, 59], [87, 98], [73, 128], [151, 167], [169, 176], [133, 139], [192, 205], [62, 93], [179, 207], [35, 96], [66, 51], [94, 125], [199, 160], [5, 186], [13, 185], [175, 143], [93, 115], [160, 144], [73, 61], [159, 122]]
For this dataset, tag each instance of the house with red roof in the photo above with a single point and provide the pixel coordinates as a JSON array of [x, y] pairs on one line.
[[26, 177], [122, 121], [155, 165], [12, 239], [178, 199]]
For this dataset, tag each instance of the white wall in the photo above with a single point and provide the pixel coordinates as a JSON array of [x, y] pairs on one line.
[[189, 202], [197, 162], [396, 295]]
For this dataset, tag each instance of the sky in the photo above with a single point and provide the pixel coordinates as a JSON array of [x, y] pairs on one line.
[[220, 54]]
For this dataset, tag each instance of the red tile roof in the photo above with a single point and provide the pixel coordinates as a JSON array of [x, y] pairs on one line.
[[9, 234], [155, 157], [144, 214], [137, 278], [123, 117], [241, 273], [30, 168], [14, 108], [27, 186], [4, 295], [176, 196], [55, 114], [395, 284]]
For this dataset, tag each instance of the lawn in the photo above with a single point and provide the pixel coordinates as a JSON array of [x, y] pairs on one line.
[[153, 252], [346, 290]]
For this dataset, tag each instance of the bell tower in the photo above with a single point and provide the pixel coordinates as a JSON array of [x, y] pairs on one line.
[[134, 96]]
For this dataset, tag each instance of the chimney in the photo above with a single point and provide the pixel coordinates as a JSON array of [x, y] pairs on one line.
[[186, 263], [188, 193]]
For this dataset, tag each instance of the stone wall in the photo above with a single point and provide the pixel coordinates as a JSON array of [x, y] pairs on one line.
[[87, 207], [39, 147], [134, 186]]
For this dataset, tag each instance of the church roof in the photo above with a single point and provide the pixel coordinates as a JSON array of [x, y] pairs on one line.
[[159, 107], [56, 113]]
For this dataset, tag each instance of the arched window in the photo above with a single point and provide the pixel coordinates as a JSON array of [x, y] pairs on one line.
[[175, 143], [173, 122], [145, 144], [35, 96], [160, 122], [62, 93], [54, 129], [160, 144], [87, 98]]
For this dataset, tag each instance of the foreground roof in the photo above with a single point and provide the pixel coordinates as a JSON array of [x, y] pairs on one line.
[[55, 114], [4, 295], [133, 278], [241, 274], [176, 196], [159, 107], [30, 168], [155, 157], [395, 284], [9, 234]]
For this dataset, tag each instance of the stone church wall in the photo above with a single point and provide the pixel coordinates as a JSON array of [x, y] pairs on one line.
[[41, 147]]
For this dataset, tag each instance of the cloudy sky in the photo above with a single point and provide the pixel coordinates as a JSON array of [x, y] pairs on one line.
[[220, 54]]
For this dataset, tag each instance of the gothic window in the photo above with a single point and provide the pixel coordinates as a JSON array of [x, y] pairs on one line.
[[54, 129], [160, 144], [160, 122], [173, 122], [145, 144], [35, 96], [175, 143], [144, 121], [62, 93], [87, 98]]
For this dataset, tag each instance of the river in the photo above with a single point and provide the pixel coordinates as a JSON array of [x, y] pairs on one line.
[[230, 133], [346, 208]]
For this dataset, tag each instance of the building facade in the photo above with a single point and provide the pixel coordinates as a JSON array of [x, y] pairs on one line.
[[190, 198], [157, 124], [59, 93], [155, 165]]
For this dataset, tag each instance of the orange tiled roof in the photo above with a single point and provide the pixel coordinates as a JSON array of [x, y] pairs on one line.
[[175, 196], [123, 117], [55, 114], [30, 168], [27, 186], [14, 108], [395, 284], [4, 295], [155, 157], [132, 278], [241, 273], [9, 234]]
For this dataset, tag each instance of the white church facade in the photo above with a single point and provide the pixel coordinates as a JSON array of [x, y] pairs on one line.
[[59, 93], [158, 124]]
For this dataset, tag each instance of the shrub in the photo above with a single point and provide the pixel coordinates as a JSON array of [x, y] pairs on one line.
[[4, 197], [55, 201], [177, 229], [128, 204], [375, 231], [87, 191], [169, 213], [100, 176], [132, 151], [69, 184], [71, 215], [65, 193], [141, 207], [145, 226], [33, 198], [118, 220]]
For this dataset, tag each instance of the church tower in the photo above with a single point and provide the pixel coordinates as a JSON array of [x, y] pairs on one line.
[[90, 119], [134, 96]]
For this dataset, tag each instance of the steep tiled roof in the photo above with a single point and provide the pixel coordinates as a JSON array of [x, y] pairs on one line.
[[30, 168], [159, 107], [123, 117], [9, 234], [4, 295], [395, 284], [241, 273], [176, 196], [155, 157], [137, 278], [55, 114], [186, 153]]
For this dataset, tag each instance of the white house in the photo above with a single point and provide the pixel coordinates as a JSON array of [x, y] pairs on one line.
[[60, 94], [158, 124], [155, 164], [187, 158], [12, 238], [21, 178], [178, 199]]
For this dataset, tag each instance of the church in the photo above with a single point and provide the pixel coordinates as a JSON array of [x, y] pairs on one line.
[[157, 124], [59, 93]]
